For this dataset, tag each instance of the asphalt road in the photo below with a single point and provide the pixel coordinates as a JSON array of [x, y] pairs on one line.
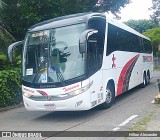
[[128, 109]]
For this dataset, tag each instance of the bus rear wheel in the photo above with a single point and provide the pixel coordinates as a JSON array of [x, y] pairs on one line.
[[148, 78], [144, 84], [110, 97]]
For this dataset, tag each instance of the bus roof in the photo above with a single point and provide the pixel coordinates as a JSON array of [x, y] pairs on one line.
[[57, 19], [79, 18]]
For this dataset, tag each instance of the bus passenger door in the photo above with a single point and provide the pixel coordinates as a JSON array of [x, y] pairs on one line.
[[96, 95], [94, 59]]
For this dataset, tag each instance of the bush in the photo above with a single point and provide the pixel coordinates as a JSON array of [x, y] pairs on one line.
[[10, 87], [3, 61]]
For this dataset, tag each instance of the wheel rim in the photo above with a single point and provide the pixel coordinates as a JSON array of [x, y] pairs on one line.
[[108, 96]]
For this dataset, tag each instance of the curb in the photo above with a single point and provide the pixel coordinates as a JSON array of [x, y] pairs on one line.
[[11, 107]]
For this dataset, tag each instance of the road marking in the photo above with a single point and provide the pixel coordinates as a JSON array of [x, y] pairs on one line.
[[128, 120], [153, 102], [116, 129], [125, 122]]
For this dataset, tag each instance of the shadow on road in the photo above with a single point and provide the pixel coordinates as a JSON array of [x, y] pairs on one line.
[[68, 115]]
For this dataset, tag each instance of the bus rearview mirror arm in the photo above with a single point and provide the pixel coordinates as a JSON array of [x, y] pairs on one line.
[[11, 47], [83, 39]]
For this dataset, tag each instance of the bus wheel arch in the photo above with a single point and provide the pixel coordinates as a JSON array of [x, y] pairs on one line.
[[110, 95]]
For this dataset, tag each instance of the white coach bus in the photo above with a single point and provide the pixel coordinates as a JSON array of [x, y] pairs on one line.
[[79, 61]]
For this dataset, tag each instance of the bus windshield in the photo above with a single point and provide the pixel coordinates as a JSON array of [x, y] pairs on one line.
[[53, 55]]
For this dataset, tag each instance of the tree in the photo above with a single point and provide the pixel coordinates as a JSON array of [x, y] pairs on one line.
[[141, 25], [1, 4], [156, 10], [113, 6], [154, 35], [5, 37], [19, 15], [5, 40]]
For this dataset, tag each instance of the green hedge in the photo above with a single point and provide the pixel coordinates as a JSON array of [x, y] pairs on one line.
[[3, 61], [10, 87]]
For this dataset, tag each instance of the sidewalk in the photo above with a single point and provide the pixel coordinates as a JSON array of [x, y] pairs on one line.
[[154, 123], [11, 107]]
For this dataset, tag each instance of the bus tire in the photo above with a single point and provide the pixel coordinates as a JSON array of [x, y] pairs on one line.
[[148, 78], [144, 84], [110, 96]]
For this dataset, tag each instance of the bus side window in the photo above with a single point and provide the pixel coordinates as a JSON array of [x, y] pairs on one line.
[[112, 41], [141, 44], [119, 40], [136, 43], [92, 54], [147, 46]]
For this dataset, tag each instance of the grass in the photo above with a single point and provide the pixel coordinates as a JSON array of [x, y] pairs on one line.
[[141, 125], [157, 69], [157, 101]]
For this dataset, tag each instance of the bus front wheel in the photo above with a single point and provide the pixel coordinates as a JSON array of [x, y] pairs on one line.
[[110, 96]]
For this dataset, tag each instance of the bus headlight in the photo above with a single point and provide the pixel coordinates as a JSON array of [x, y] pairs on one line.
[[81, 90], [27, 94]]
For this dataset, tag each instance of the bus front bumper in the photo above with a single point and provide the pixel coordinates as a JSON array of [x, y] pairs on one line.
[[79, 102]]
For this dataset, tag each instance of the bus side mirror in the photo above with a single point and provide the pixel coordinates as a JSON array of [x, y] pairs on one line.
[[83, 39], [11, 47]]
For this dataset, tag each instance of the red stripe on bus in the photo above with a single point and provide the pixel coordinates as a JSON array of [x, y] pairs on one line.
[[123, 73]]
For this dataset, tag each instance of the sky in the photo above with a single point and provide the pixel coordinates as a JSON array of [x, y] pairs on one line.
[[137, 9]]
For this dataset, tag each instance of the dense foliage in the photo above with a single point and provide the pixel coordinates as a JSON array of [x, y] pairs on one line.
[[5, 40], [18, 15], [1, 4], [10, 87], [141, 25], [154, 35]]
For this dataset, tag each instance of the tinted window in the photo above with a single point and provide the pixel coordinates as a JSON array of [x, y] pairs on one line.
[[147, 46], [136, 43], [119, 39], [112, 39], [122, 40], [125, 40]]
